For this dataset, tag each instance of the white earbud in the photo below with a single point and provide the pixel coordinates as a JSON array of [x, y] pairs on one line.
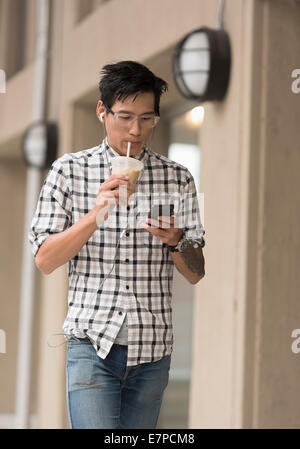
[[101, 117]]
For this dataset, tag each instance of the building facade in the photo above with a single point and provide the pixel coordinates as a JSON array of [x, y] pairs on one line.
[[233, 364]]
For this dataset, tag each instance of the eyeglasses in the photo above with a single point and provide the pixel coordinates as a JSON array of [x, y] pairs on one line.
[[125, 119]]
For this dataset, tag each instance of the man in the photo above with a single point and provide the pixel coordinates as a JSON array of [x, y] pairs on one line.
[[119, 321]]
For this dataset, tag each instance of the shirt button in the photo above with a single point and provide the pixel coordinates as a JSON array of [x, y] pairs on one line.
[[120, 313], [127, 260], [127, 234], [128, 207], [127, 286]]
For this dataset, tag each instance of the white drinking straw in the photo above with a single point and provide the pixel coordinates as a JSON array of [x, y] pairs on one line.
[[128, 148]]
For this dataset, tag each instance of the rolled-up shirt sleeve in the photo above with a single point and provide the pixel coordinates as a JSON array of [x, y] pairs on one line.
[[54, 208], [190, 214]]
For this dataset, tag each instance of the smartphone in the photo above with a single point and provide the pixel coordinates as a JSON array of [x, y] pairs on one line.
[[161, 210]]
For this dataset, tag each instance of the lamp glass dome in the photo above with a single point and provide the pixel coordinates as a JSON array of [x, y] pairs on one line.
[[35, 145], [201, 64], [194, 62]]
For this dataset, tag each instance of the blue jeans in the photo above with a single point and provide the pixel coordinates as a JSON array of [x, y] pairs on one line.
[[105, 394]]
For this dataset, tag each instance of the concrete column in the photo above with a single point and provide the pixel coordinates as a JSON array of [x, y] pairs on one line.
[[273, 239], [244, 371]]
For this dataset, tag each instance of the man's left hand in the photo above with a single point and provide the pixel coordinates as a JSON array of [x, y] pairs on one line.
[[164, 230]]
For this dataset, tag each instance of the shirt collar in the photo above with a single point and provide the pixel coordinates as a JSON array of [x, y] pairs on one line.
[[110, 152]]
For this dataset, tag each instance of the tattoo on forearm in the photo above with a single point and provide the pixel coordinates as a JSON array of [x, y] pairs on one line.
[[194, 259]]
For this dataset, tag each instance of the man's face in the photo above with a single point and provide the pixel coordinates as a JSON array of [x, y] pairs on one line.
[[119, 136]]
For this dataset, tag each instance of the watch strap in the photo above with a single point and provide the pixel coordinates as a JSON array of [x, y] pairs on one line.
[[177, 248]]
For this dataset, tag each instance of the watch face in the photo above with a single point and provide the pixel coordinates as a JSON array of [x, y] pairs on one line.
[[182, 245]]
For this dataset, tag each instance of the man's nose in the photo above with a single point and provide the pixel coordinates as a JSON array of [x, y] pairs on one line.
[[135, 127]]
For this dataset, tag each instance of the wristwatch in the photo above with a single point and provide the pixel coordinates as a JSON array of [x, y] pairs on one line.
[[181, 245], [179, 248]]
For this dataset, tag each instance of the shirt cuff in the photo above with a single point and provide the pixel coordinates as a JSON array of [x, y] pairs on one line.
[[37, 242]]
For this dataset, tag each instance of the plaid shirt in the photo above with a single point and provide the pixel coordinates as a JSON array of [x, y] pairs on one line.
[[136, 267]]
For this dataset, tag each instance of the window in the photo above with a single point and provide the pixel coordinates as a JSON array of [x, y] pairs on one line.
[[184, 141], [85, 7], [13, 27]]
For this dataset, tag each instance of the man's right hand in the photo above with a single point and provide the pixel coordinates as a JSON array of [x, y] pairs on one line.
[[59, 248], [109, 195]]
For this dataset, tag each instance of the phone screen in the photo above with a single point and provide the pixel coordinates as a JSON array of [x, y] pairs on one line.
[[161, 210]]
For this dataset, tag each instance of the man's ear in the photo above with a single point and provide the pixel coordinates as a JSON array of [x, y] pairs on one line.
[[100, 109]]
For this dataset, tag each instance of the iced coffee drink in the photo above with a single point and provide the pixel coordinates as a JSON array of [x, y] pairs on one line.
[[127, 166]]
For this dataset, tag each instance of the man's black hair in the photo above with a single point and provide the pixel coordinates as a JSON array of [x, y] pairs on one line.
[[126, 78]]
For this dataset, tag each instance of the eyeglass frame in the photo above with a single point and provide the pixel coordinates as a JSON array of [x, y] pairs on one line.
[[116, 114]]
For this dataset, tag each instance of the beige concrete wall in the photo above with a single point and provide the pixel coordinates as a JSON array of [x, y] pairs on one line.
[[217, 375], [15, 114], [12, 180], [245, 374], [16, 107], [273, 370]]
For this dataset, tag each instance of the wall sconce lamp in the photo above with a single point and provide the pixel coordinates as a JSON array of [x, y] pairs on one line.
[[40, 144], [201, 63]]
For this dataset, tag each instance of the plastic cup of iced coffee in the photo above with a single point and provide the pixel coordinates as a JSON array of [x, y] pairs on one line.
[[127, 166]]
